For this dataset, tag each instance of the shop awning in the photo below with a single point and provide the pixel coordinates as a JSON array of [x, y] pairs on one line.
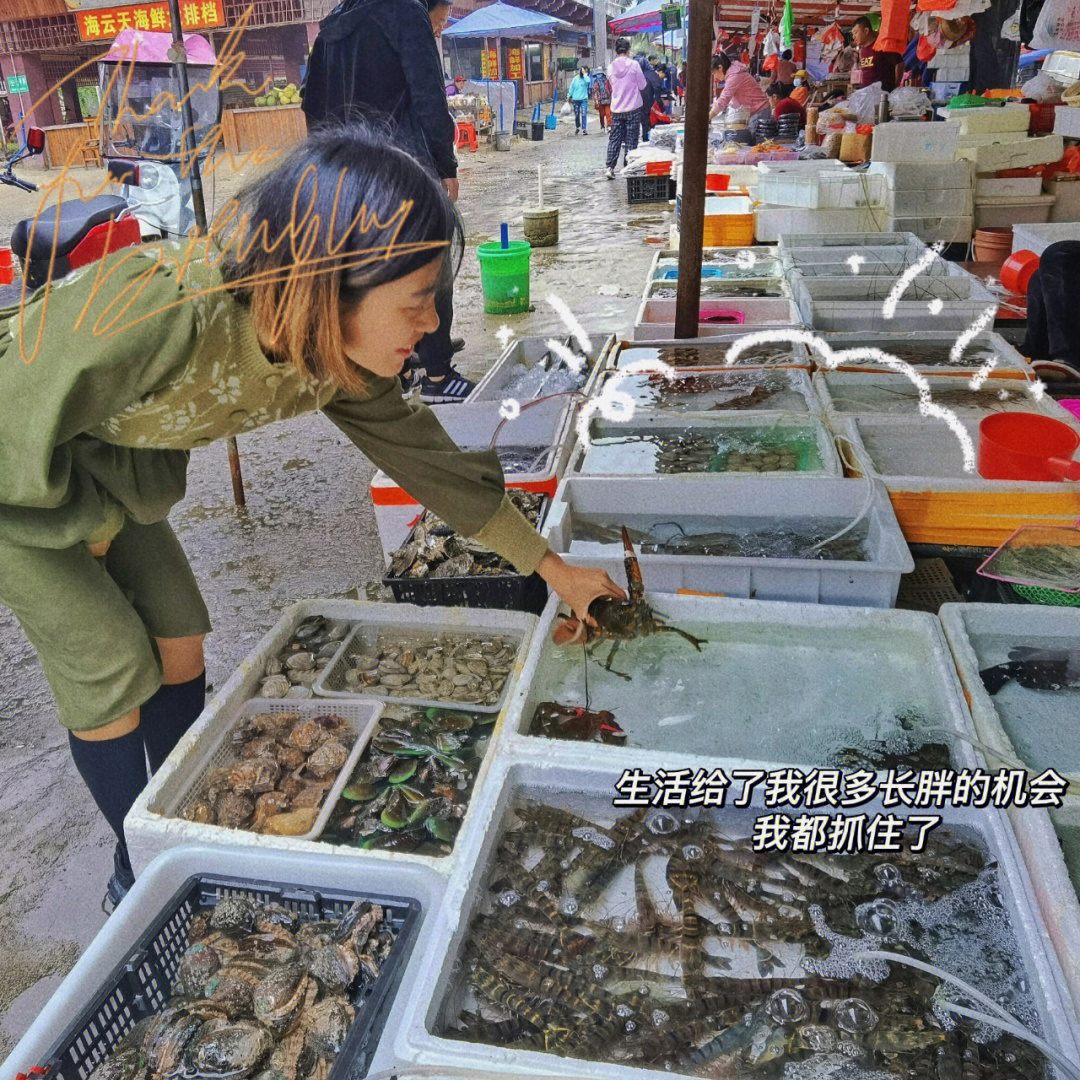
[[642, 18], [504, 20]]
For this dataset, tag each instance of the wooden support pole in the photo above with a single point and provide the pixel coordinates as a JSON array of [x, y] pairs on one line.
[[178, 56], [695, 157]]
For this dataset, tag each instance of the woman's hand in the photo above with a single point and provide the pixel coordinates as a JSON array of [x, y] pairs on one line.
[[577, 586]]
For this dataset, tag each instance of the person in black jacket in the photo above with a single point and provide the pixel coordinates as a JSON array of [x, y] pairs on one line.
[[377, 60]]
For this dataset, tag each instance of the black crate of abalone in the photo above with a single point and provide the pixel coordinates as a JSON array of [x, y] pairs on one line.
[[506, 592], [141, 983]]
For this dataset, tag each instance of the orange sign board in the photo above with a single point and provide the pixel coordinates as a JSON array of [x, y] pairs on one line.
[[489, 63], [101, 24], [514, 64]]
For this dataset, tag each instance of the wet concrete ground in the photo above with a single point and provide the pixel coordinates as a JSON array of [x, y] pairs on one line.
[[308, 531]]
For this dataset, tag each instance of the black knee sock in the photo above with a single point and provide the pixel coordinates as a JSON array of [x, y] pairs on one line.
[[168, 714], [114, 770]]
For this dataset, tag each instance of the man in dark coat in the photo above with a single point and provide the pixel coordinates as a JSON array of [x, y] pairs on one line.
[[377, 60]]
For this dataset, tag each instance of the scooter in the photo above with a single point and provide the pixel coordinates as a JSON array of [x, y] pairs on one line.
[[69, 235]]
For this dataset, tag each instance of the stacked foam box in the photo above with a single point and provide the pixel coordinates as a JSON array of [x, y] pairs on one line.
[[953, 65], [934, 201], [995, 138]]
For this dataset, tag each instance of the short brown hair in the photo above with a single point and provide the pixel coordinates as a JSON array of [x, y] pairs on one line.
[[345, 212]]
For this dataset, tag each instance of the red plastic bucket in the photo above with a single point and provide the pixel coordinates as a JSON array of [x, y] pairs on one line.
[[1027, 446], [717, 181]]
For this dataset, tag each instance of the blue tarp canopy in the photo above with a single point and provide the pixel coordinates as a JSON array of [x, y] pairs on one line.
[[504, 20]]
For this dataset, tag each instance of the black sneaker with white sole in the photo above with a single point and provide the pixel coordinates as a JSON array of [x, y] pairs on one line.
[[450, 390]]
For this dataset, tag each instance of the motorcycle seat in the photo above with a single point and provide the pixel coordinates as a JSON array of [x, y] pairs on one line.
[[65, 226]]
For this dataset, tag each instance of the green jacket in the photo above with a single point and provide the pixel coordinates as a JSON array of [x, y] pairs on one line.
[[112, 375]]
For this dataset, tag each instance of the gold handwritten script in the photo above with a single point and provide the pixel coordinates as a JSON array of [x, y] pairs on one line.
[[230, 234]]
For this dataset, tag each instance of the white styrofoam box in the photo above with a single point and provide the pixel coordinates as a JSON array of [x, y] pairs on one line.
[[711, 391], [148, 828], [1034, 150], [1007, 187], [656, 318], [826, 187], [944, 91], [1010, 364], [583, 783], [734, 263], [526, 352], [925, 455], [472, 426], [938, 229], [692, 355], [989, 118], [1050, 627], [990, 138], [999, 213], [855, 393], [719, 288], [1067, 192], [747, 642], [929, 202], [804, 246], [912, 140], [805, 433], [856, 303], [823, 507], [915, 176], [1038, 238], [171, 874], [1067, 122], [770, 222]]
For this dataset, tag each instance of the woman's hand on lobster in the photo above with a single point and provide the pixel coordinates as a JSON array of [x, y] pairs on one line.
[[578, 586]]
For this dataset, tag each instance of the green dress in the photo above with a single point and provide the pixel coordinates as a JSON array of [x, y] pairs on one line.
[[107, 380]]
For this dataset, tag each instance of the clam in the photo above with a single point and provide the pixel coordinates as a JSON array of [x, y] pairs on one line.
[[293, 823], [275, 686], [233, 915], [300, 661], [328, 759], [227, 1052], [254, 775], [233, 809], [328, 1023], [307, 735]]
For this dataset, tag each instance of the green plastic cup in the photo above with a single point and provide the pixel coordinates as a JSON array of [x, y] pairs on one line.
[[504, 276]]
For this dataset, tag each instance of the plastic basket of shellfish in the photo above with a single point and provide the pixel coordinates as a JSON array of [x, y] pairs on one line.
[[437, 566], [418, 665], [288, 977], [279, 766]]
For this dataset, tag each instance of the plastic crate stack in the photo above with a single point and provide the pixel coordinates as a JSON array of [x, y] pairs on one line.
[[820, 196]]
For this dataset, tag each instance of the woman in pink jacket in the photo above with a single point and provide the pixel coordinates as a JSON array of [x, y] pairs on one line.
[[741, 89], [627, 82]]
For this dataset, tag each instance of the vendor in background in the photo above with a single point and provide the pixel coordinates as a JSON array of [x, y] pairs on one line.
[[739, 88], [800, 92], [886, 68], [783, 72], [658, 114], [180, 347], [782, 104]]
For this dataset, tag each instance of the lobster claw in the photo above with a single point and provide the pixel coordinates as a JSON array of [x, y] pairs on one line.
[[635, 582]]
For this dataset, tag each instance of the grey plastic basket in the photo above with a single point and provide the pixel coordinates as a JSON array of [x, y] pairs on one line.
[[361, 715], [331, 683]]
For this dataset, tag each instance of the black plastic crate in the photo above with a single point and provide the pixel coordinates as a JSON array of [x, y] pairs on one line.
[[643, 189], [506, 592], [141, 983]]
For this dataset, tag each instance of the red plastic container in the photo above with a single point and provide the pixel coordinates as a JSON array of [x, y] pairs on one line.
[[1042, 118], [7, 268], [657, 168], [1017, 270], [717, 181], [1027, 446]]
